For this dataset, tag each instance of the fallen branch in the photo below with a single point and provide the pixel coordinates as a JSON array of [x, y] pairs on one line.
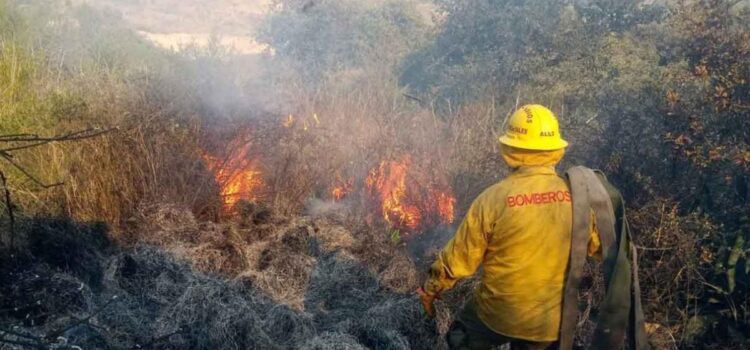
[[412, 97], [31, 141]]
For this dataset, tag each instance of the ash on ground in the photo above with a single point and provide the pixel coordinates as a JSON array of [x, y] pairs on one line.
[[260, 282]]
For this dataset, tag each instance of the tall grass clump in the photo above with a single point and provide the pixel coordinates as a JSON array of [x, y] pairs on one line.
[[71, 68]]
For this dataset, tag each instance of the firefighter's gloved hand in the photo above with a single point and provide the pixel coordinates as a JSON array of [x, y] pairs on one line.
[[428, 302]]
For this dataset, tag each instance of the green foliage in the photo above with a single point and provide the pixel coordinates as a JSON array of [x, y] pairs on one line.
[[656, 96], [394, 235], [328, 36], [495, 45], [69, 68]]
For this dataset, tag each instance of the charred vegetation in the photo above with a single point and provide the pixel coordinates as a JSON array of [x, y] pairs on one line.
[[294, 199]]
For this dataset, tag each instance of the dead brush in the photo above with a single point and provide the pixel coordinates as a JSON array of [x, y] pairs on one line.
[[161, 224], [338, 135], [390, 263], [284, 264], [475, 163], [670, 270], [149, 157], [111, 176], [590, 295], [674, 262]]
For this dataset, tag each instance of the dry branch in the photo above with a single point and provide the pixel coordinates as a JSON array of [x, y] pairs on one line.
[[37, 140], [9, 208], [26, 173], [27, 141], [31, 141]]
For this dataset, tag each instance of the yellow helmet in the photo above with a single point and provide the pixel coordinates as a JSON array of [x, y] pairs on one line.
[[533, 127]]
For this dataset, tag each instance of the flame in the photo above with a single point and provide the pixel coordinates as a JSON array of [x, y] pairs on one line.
[[400, 204], [288, 122], [340, 191], [446, 204], [237, 174], [306, 122]]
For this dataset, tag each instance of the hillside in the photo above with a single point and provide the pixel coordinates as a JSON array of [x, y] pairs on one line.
[[172, 23]]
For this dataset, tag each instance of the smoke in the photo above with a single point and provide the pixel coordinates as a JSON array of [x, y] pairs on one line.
[[250, 58], [239, 60], [423, 248], [203, 49], [229, 60], [318, 207], [247, 60]]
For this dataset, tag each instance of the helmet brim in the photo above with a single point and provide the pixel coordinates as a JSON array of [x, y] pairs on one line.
[[547, 146]]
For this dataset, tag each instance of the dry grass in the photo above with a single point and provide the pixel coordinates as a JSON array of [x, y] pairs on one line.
[[279, 260], [149, 183], [296, 294], [674, 262]]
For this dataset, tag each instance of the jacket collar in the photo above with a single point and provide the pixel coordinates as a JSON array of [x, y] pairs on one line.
[[534, 170]]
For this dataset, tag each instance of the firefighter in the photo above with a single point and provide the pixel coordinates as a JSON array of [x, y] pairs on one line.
[[519, 230]]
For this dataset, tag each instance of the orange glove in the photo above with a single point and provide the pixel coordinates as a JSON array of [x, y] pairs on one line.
[[428, 302]]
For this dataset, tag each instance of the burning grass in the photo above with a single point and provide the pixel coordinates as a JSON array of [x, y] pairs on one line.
[[402, 165], [237, 173], [411, 205], [409, 195]]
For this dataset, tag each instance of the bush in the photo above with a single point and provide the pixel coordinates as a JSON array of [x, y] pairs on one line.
[[71, 68], [656, 95]]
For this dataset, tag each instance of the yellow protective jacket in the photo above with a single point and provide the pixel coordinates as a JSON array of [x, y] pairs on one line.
[[520, 231]]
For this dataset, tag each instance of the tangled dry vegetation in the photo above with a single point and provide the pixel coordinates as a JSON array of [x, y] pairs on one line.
[[657, 99], [261, 281]]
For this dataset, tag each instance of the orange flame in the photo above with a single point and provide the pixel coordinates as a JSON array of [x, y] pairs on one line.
[[237, 174], [446, 207], [400, 204], [339, 192], [288, 122], [291, 121]]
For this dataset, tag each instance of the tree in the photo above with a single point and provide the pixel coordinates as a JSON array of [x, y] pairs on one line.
[[321, 37]]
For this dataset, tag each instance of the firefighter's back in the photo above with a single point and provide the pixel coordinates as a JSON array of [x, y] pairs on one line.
[[528, 248]]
